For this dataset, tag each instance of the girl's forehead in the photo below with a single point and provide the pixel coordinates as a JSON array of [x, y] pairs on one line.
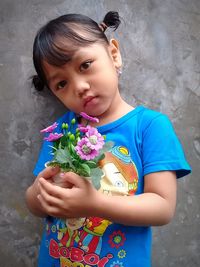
[[74, 52], [89, 49], [75, 55]]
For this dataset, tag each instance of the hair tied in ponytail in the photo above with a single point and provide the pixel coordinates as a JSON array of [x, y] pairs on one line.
[[111, 20], [38, 84]]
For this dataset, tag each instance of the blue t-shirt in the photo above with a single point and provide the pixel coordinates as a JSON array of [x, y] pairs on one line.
[[144, 142]]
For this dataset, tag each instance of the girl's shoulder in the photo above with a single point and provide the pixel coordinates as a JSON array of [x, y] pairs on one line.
[[149, 113], [152, 122], [148, 116]]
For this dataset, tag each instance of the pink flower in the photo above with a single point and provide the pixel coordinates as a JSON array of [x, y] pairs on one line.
[[95, 139], [53, 137], [50, 128], [83, 129], [84, 151], [89, 118]]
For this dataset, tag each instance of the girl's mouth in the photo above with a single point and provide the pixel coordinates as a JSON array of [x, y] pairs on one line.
[[89, 101]]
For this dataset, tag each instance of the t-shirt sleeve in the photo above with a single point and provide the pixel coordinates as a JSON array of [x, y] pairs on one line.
[[161, 149], [44, 156]]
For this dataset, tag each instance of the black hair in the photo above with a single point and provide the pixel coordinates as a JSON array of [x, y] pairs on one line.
[[48, 45]]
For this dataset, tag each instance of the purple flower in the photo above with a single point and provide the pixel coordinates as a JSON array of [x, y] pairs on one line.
[[95, 139], [83, 129], [50, 128], [53, 137], [89, 118], [84, 151]]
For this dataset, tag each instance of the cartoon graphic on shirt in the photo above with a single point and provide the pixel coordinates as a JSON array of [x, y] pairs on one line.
[[91, 235], [120, 173], [68, 233], [84, 236]]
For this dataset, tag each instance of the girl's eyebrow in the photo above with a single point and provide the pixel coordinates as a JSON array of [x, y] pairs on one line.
[[52, 78], [81, 54], [76, 56], [55, 75]]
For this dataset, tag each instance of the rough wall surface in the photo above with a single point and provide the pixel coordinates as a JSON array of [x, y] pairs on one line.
[[160, 45]]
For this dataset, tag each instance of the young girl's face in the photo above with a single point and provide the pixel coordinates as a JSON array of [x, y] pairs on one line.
[[89, 81]]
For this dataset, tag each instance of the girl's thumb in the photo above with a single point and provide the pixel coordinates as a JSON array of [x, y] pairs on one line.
[[49, 172], [72, 178]]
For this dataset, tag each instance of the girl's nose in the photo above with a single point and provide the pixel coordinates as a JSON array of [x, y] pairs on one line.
[[81, 86]]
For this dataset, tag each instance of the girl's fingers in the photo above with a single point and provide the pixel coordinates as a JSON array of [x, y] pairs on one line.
[[74, 179], [49, 199], [49, 209], [51, 189], [48, 172], [52, 205], [52, 194]]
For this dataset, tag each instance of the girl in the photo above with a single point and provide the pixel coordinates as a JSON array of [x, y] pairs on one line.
[[74, 59]]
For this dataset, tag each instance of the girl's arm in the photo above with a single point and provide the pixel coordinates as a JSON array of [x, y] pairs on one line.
[[32, 192], [155, 206]]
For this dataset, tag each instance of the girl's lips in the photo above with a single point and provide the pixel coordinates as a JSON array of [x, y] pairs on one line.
[[89, 100]]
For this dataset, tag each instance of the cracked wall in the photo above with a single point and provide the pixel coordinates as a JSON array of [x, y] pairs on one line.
[[160, 45]]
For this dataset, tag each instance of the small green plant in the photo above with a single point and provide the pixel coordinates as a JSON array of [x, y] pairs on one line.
[[78, 150]]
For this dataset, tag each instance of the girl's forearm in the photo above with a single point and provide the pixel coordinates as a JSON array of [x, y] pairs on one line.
[[140, 210]]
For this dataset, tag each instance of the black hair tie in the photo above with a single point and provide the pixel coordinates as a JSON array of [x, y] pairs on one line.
[[38, 83]]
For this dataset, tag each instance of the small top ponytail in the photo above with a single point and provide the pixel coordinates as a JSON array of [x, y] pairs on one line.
[[111, 20]]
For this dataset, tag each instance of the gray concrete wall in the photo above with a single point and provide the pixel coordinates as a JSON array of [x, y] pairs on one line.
[[160, 44]]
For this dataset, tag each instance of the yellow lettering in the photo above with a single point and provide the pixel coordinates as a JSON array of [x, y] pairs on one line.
[[65, 262], [77, 264]]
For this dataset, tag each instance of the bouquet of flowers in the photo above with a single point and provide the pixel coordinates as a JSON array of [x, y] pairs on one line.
[[78, 150]]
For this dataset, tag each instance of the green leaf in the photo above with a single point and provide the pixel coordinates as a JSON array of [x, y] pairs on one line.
[[63, 141], [91, 164], [100, 157], [72, 150], [55, 144], [96, 183], [53, 148], [107, 146], [62, 156], [84, 169], [96, 175], [97, 172]]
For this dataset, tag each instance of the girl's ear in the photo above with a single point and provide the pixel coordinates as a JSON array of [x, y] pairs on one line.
[[115, 53]]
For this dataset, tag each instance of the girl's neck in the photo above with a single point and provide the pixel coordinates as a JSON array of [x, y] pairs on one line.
[[120, 109]]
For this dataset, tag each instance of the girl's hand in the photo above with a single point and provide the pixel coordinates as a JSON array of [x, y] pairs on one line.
[[33, 190], [59, 180], [81, 200]]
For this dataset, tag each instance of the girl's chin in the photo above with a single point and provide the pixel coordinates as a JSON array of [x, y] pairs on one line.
[[91, 110], [94, 112]]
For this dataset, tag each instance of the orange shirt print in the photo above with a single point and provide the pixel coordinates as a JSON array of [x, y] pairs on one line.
[[120, 173]]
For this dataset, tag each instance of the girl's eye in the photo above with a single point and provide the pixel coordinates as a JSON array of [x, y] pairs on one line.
[[85, 65], [61, 85]]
